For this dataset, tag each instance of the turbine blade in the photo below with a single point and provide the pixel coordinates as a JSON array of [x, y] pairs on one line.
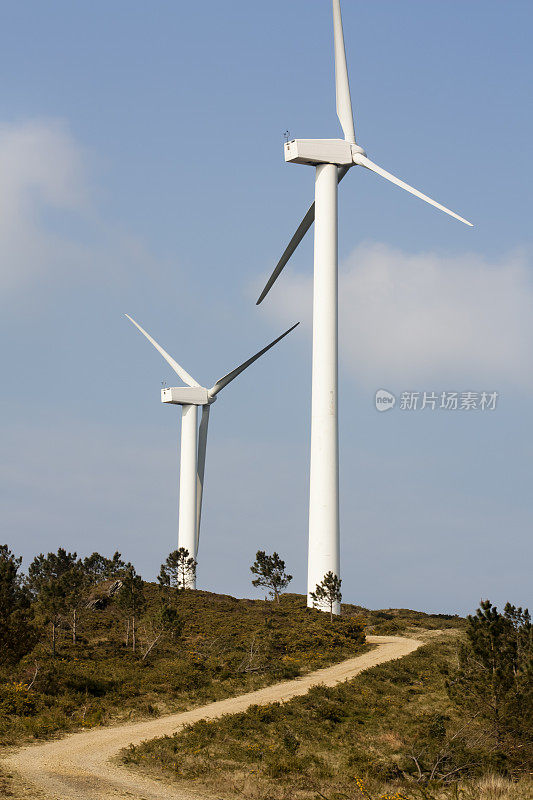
[[342, 83], [365, 162], [202, 445], [303, 227], [237, 371], [185, 377]]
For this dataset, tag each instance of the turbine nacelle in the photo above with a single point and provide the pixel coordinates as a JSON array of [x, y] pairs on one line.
[[322, 151], [185, 396]]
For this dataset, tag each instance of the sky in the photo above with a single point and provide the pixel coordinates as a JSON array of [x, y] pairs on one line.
[[142, 172]]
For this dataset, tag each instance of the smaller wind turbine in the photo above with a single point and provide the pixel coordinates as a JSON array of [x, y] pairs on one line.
[[194, 440]]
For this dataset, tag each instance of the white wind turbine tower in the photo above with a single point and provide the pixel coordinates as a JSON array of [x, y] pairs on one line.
[[194, 440], [332, 159]]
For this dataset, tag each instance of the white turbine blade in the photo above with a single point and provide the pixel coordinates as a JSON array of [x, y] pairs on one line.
[[365, 162], [342, 83], [303, 227], [185, 377], [202, 445], [237, 371]]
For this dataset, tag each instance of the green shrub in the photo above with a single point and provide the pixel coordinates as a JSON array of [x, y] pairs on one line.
[[15, 700]]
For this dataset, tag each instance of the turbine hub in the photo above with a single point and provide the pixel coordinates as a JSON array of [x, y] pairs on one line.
[[358, 150]]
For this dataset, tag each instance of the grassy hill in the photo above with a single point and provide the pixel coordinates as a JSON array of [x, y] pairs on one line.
[[391, 733], [219, 647]]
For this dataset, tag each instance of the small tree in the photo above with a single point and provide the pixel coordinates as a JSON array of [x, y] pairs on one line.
[[98, 568], [131, 598], [178, 571], [53, 604], [165, 621], [16, 634], [55, 581], [76, 585], [328, 592], [270, 571], [44, 569], [493, 682]]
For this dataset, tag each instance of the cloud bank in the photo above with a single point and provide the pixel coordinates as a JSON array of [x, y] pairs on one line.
[[410, 318]]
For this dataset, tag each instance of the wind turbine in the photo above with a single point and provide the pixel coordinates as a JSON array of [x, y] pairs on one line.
[[194, 440], [332, 158]]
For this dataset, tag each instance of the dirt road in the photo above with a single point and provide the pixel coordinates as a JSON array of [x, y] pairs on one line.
[[77, 767]]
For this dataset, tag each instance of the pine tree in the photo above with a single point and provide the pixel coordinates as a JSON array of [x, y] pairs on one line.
[[53, 604], [56, 583], [131, 598], [77, 584], [327, 592], [44, 569], [178, 571], [494, 680], [16, 632], [99, 568], [271, 574]]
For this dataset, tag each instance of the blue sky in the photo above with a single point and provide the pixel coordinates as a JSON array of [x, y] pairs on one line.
[[142, 171]]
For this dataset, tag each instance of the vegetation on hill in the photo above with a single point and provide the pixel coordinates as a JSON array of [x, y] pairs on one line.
[[87, 642], [432, 725], [84, 642]]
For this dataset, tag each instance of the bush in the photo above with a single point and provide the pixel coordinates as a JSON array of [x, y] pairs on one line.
[[15, 700]]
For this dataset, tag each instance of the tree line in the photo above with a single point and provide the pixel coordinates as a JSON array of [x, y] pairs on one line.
[[58, 587]]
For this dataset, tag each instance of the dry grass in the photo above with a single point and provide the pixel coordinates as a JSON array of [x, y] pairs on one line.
[[489, 787], [227, 647], [376, 737]]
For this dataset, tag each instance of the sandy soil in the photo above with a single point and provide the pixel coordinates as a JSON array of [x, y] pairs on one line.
[[78, 766]]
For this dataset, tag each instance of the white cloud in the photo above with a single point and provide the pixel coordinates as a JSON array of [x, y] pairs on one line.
[[49, 228], [411, 318], [39, 158], [41, 170]]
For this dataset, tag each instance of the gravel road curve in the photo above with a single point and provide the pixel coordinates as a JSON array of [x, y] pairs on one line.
[[77, 767]]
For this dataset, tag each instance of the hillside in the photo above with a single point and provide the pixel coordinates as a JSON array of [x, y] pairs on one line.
[[391, 733], [217, 646], [435, 723], [86, 765]]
